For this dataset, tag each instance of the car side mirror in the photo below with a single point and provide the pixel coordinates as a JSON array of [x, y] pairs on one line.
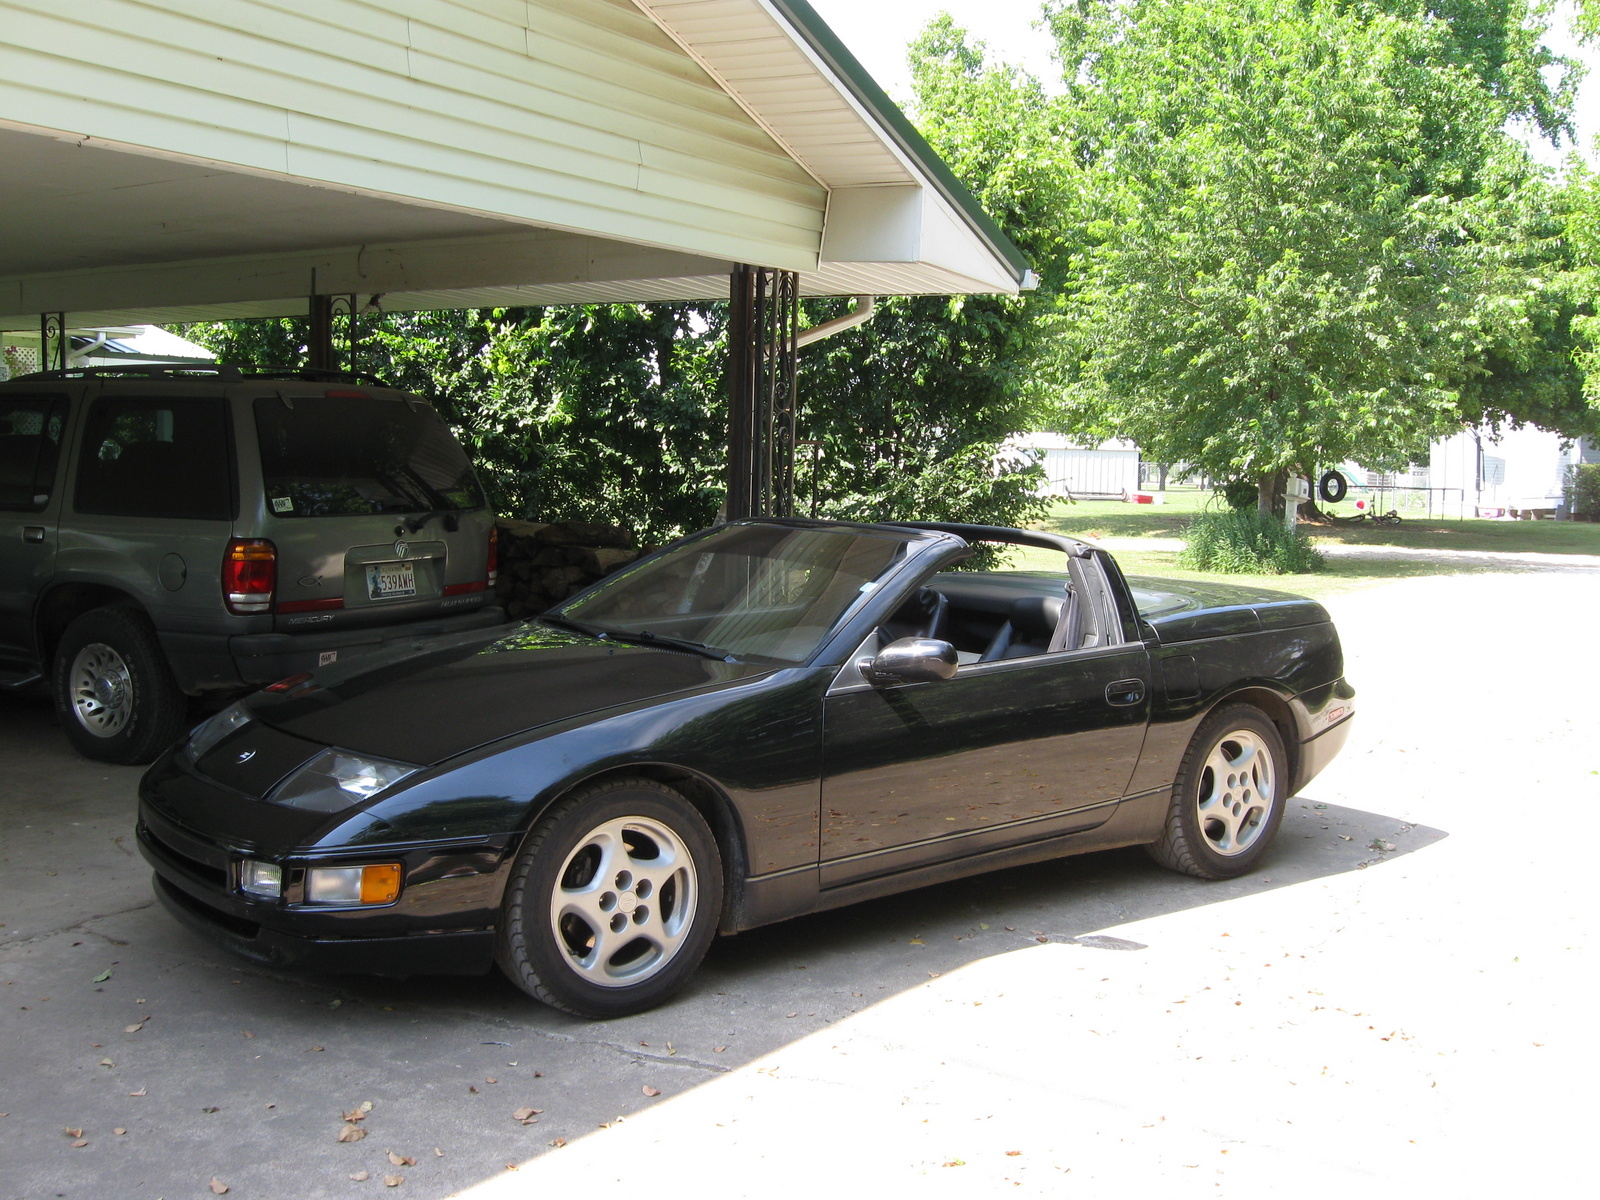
[[911, 660]]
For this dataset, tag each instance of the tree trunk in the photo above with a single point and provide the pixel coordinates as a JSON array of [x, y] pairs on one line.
[[1269, 493], [1163, 468]]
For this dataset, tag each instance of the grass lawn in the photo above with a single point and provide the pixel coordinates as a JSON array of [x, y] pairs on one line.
[[1115, 519]]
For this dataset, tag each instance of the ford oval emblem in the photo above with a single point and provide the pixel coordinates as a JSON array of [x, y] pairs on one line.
[[401, 549], [246, 756]]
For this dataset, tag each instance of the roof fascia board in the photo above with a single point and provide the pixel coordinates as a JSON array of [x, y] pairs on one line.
[[830, 57], [826, 47], [538, 256]]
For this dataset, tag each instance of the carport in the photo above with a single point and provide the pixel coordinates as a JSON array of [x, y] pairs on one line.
[[177, 161], [173, 160]]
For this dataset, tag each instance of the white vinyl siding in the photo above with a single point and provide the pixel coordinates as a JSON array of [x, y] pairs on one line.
[[574, 114]]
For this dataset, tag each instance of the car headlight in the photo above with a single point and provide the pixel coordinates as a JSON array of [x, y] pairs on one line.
[[377, 884], [212, 730], [337, 779]]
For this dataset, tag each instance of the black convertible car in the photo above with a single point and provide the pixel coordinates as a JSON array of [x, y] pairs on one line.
[[761, 720]]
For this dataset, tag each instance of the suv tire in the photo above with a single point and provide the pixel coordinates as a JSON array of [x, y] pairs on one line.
[[114, 694]]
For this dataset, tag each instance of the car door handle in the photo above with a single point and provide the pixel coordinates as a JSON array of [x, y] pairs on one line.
[[1123, 692], [33, 533]]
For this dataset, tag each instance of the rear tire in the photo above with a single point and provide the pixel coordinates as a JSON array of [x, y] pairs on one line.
[[613, 901], [1229, 797], [114, 693]]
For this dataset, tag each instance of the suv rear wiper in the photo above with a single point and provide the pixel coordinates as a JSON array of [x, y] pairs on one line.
[[451, 521]]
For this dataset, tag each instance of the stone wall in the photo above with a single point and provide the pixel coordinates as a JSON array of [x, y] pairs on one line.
[[541, 565]]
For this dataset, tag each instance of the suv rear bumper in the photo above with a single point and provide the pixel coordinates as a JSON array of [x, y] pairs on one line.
[[200, 661]]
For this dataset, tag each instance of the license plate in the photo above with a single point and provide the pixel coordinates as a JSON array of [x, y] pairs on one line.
[[387, 580]]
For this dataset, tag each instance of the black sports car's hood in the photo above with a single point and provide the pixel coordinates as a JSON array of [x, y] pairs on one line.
[[1181, 611], [437, 702]]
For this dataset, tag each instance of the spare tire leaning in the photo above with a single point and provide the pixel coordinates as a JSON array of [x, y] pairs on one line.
[[1332, 486]]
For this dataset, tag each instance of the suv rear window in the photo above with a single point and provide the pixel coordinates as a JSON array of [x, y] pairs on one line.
[[30, 442], [324, 456], [148, 457]]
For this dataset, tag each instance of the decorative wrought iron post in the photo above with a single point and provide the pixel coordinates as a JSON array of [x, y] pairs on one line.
[[763, 325], [319, 343], [53, 341], [319, 348]]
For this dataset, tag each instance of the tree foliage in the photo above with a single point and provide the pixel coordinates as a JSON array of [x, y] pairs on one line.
[[1313, 239]]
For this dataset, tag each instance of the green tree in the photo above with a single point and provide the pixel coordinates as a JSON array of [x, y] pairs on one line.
[[1311, 238]]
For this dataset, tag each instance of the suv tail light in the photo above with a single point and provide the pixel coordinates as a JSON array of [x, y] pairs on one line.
[[492, 570], [249, 575]]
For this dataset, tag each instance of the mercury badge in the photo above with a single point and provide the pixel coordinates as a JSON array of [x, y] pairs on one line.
[[401, 549]]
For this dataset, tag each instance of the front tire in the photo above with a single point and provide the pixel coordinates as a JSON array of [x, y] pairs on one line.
[[613, 901], [1229, 797], [114, 693]]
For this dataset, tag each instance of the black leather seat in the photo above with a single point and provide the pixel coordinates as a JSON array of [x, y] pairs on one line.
[[1029, 630], [925, 615]]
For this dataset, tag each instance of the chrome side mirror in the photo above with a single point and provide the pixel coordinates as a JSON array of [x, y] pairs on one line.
[[910, 660]]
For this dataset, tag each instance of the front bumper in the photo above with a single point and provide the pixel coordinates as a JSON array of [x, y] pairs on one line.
[[443, 922], [462, 952]]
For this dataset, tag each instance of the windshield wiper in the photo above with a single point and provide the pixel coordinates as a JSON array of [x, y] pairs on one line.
[[641, 638], [645, 638], [561, 622]]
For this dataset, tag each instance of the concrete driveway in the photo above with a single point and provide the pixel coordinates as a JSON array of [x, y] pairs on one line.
[[1396, 1004]]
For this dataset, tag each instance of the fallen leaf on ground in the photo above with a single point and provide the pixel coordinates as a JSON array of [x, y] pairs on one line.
[[557, 1142], [650, 1091], [362, 1176], [119, 1130], [79, 1144], [101, 978], [1012, 1153], [218, 1186], [351, 1133], [402, 1160], [73, 1132], [365, 1106], [247, 1033], [335, 1003], [916, 942], [355, 1114], [210, 1108], [473, 1088], [106, 1062], [491, 1079], [133, 1028], [718, 1049], [526, 1115], [140, 1092], [316, 1049], [393, 1180], [438, 1153]]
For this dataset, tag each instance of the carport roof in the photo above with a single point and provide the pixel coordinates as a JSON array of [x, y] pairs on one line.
[[180, 161]]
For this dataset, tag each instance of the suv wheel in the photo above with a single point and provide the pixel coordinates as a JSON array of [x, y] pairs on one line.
[[117, 700]]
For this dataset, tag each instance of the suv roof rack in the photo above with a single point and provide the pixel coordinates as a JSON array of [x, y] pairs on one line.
[[227, 371]]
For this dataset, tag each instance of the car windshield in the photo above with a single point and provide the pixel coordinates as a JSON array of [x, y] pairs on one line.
[[764, 593], [336, 455]]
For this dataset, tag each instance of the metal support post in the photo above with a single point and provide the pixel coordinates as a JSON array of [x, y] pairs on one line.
[[763, 328], [319, 342], [53, 341]]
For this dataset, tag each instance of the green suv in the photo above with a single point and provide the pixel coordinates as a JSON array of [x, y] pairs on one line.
[[173, 531]]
